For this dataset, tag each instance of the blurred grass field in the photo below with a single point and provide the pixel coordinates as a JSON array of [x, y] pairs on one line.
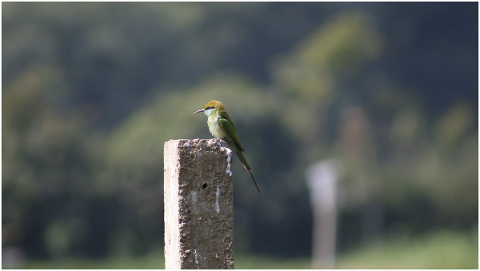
[[439, 250]]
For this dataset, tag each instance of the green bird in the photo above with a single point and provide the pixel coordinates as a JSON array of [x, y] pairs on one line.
[[221, 126]]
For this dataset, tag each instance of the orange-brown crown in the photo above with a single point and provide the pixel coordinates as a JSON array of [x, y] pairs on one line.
[[214, 104]]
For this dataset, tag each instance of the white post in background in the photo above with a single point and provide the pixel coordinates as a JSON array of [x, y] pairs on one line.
[[322, 178]]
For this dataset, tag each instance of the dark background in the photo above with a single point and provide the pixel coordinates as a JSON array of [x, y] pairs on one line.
[[91, 91]]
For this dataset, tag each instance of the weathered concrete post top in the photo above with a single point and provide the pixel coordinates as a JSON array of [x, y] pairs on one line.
[[198, 197]]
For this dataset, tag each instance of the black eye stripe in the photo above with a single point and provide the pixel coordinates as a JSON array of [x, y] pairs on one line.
[[210, 107]]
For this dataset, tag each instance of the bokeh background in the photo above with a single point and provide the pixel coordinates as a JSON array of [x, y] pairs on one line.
[[91, 91]]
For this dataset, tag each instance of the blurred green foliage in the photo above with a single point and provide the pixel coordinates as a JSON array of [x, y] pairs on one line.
[[91, 91]]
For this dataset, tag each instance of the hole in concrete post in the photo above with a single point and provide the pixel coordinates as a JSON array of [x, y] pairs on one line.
[[204, 185]]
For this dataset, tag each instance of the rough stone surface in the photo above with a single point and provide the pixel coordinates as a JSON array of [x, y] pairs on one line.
[[198, 191]]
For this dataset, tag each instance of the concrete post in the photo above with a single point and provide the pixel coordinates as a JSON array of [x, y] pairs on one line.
[[198, 193]]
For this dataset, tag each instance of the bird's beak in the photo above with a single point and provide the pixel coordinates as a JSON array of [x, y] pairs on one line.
[[199, 111]]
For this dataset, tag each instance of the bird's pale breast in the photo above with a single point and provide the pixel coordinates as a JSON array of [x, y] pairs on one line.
[[215, 129]]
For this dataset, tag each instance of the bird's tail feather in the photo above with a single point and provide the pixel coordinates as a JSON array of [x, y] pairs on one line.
[[246, 166], [254, 180]]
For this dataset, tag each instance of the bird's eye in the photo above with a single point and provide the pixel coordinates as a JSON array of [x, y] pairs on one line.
[[210, 107]]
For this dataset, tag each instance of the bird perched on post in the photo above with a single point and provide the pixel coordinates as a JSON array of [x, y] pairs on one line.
[[221, 126]]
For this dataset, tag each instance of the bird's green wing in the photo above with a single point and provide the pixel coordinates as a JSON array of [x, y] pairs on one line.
[[229, 128]]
